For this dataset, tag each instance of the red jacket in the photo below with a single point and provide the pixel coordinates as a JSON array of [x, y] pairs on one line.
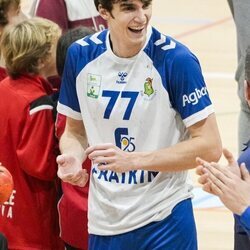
[[3, 73], [29, 220]]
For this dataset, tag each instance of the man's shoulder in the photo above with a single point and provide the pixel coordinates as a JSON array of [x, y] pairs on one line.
[[91, 44], [86, 50], [165, 45], [162, 48]]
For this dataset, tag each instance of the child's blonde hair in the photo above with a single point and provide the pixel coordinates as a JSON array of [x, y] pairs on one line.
[[26, 44]]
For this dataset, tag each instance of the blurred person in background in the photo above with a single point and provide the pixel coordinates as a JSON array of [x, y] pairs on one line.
[[231, 183], [240, 11], [73, 205], [69, 13], [29, 220], [10, 11]]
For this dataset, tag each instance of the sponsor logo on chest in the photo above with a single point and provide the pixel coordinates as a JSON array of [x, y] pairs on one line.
[[93, 85], [122, 78]]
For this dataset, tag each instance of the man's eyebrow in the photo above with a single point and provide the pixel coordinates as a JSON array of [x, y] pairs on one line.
[[126, 3]]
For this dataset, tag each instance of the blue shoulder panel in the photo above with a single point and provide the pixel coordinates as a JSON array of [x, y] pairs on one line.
[[180, 72], [79, 54]]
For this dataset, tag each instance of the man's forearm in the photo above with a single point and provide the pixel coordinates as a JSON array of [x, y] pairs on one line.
[[74, 140], [178, 157], [73, 145]]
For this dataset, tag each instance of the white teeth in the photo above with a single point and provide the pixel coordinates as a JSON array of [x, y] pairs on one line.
[[137, 28]]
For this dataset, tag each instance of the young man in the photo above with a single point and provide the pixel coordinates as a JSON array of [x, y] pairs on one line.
[[138, 98]]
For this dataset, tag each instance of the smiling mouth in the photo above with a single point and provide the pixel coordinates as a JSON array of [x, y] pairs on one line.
[[136, 30]]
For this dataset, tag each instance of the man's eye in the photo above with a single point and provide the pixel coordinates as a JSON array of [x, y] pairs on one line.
[[146, 6], [128, 8]]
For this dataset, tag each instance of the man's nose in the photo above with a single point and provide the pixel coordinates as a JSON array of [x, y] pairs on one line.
[[140, 16]]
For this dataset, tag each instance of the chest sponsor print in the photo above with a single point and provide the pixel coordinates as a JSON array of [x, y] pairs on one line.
[[93, 85]]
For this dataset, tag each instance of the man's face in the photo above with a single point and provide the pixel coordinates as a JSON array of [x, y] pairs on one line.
[[128, 22]]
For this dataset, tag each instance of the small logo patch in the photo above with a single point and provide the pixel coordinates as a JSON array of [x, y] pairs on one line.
[[148, 92], [93, 85], [148, 87], [122, 76], [123, 140]]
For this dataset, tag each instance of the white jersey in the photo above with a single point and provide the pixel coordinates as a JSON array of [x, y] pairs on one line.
[[142, 103]]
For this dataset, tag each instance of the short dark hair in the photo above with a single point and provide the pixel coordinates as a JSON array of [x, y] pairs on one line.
[[65, 41], [108, 4], [96, 3]]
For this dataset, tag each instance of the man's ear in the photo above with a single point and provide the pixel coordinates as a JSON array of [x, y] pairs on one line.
[[41, 64], [103, 12]]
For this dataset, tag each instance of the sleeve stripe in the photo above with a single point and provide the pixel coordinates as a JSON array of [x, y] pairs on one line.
[[65, 110], [43, 100], [201, 115], [39, 108]]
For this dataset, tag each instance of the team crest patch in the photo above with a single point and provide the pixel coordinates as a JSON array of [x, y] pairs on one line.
[[93, 85], [149, 92], [148, 87]]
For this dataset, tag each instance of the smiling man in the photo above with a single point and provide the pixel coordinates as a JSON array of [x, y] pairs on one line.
[[123, 93]]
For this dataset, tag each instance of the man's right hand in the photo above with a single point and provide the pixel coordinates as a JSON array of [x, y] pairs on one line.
[[70, 170]]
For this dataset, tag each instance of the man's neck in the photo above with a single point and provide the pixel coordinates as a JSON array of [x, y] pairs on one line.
[[125, 51]]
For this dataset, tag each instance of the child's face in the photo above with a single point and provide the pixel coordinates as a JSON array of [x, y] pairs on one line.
[[50, 66]]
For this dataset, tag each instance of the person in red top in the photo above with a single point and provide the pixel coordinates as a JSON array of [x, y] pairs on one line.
[[73, 205], [10, 11], [29, 219], [69, 14], [3, 73]]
